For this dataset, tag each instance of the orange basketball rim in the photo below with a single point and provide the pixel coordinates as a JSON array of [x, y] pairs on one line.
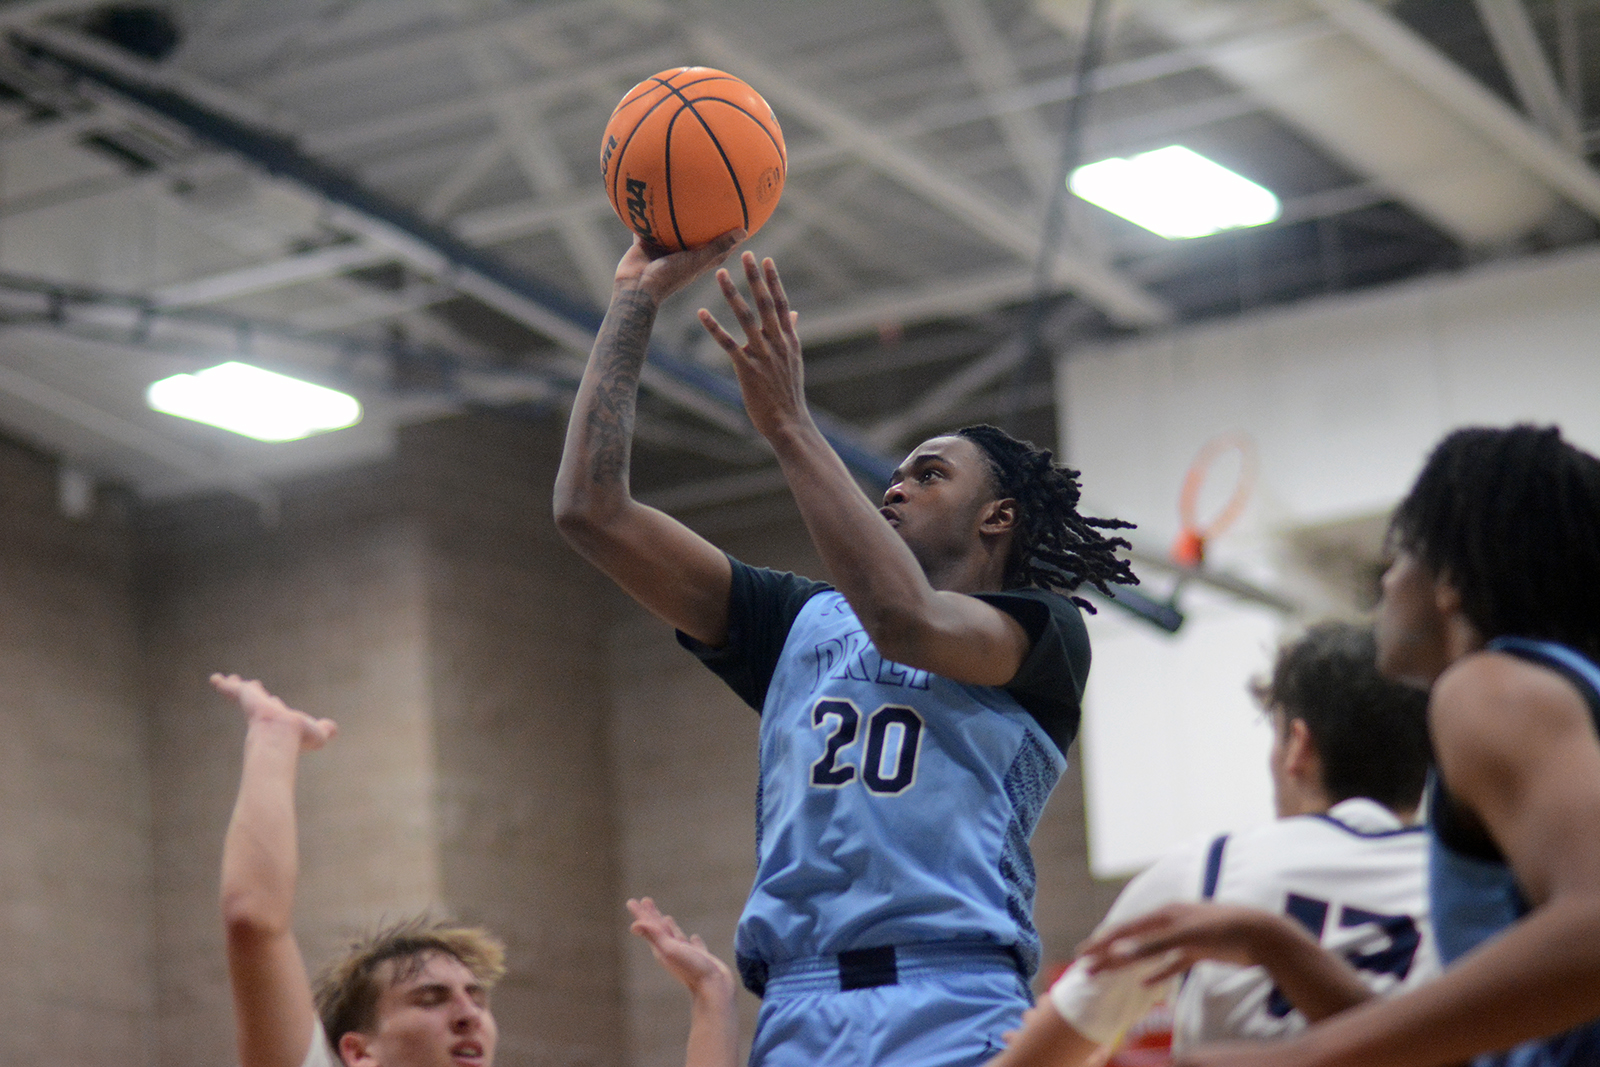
[[1190, 548]]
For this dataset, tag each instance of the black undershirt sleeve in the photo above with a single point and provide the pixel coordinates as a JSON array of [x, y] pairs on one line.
[[1049, 684], [762, 606]]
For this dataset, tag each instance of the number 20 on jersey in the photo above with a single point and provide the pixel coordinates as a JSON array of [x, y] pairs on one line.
[[888, 764]]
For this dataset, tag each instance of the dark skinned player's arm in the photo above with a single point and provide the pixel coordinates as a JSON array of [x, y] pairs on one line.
[[1167, 941], [910, 622], [1518, 748], [667, 567], [1316, 981]]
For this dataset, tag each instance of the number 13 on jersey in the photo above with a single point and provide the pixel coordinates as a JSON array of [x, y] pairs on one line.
[[888, 764]]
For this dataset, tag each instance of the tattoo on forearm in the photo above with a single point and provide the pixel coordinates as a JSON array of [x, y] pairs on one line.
[[624, 338]]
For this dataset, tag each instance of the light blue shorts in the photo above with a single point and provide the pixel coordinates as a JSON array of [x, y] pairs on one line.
[[946, 1007]]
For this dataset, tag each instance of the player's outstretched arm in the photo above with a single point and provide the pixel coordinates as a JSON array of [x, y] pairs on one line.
[[1085, 1013], [661, 563], [713, 1020], [260, 864], [909, 621], [1518, 748], [1314, 980]]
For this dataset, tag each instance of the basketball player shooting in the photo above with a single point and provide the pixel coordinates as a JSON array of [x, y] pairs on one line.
[[914, 713]]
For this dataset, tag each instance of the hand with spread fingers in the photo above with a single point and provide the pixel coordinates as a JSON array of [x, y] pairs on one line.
[[768, 364], [713, 1018], [1317, 982], [683, 956], [261, 707], [1189, 931]]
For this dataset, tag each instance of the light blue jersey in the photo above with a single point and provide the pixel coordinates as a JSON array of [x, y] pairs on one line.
[[1475, 894], [895, 805]]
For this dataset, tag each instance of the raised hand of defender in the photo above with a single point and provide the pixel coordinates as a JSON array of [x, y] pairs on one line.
[[260, 706], [1189, 932], [684, 957], [768, 363], [661, 273]]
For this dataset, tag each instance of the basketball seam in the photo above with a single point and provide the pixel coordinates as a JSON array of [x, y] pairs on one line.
[[622, 149], [686, 104], [753, 117], [660, 83], [666, 166], [727, 164]]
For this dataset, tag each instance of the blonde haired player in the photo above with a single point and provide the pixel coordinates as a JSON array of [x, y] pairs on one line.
[[416, 993]]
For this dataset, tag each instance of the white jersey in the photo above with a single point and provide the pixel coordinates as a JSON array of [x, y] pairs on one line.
[[1355, 877], [320, 1054]]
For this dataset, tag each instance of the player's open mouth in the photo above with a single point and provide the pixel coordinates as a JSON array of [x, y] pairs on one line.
[[467, 1052]]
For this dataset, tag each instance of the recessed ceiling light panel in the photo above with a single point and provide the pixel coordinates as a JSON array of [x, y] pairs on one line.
[[1175, 192], [254, 402]]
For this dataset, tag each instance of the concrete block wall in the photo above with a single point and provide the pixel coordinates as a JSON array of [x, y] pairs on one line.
[[517, 627], [328, 609], [75, 867]]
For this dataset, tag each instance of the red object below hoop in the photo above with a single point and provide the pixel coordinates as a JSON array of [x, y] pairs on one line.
[[1189, 550]]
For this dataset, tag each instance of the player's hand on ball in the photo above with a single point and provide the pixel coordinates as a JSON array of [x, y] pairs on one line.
[[768, 363], [262, 707], [661, 273]]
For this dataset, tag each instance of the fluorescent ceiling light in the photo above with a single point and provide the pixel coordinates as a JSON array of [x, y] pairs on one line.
[[1175, 192], [254, 402]]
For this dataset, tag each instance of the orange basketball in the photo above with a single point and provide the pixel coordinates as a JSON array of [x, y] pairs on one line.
[[691, 153]]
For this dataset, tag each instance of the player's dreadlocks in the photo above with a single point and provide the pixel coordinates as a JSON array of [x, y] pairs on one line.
[[1511, 518], [1054, 547]]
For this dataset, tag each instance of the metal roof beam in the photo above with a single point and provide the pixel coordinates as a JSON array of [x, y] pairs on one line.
[[399, 53], [591, 79], [994, 70], [274, 274], [1120, 297], [430, 247], [539, 157], [1464, 96], [1525, 63]]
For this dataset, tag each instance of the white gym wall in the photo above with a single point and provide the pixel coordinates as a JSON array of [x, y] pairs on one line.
[[1343, 399]]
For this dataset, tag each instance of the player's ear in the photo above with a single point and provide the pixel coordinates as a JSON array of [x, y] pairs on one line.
[[355, 1050], [1001, 515], [1446, 597], [1300, 756]]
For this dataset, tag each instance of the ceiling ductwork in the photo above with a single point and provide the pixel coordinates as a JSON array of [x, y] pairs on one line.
[[1363, 87]]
